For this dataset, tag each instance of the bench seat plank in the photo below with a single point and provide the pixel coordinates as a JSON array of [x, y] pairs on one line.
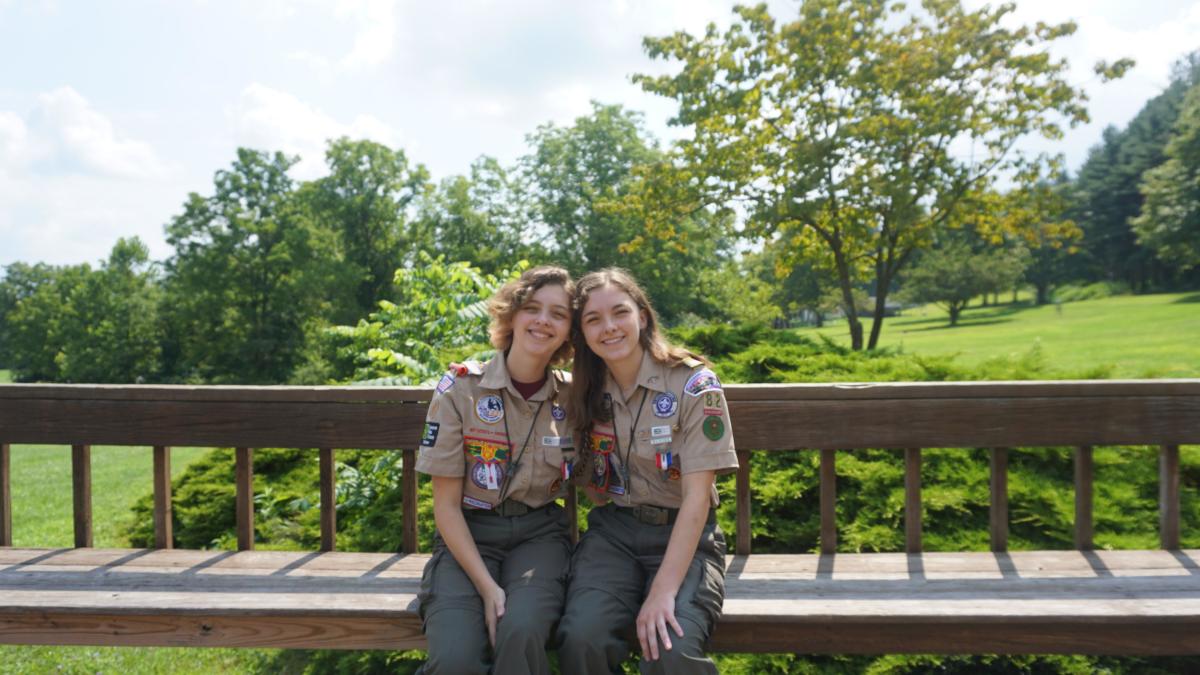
[[1092, 602]]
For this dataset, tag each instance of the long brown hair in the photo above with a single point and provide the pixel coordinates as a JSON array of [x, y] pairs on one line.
[[503, 306], [589, 371]]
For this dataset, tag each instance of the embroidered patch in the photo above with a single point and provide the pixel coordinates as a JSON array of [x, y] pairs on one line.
[[477, 503], [665, 404], [658, 432], [673, 472], [485, 450], [602, 442], [714, 427], [445, 383], [713, 400], [701, 381], [487, 475], [558, 412], [429, 438], [490, 409]]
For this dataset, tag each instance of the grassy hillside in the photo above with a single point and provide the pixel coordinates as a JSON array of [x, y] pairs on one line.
[[1139, 336]]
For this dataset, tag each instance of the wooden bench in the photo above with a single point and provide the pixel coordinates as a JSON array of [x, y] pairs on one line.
[[1080, 601]]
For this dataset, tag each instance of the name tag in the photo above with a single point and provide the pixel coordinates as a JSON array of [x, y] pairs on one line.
[[660, 440], [558, 441]]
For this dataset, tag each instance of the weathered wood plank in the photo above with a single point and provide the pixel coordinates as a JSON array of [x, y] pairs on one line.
[[828, 497], [408, 497], [244, 506], [912, 500], [998, 512], [1084, 473], [328, 481], [5, 495], [1168, 496], [742, 486], [81, 488], [163, 517]]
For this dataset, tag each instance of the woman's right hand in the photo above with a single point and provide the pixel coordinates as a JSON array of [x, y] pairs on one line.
[[493, 609]]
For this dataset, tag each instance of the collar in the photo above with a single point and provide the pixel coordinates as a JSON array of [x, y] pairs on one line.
[[651, 374], [495, 376]]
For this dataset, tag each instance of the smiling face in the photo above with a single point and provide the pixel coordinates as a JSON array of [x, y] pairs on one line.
[[542, 323], [612, 325]]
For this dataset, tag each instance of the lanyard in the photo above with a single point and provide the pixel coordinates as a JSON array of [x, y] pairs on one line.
[[516, 463], [632, 441]]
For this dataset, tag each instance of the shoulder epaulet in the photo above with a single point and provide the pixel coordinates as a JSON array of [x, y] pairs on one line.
[[455, 371], [691, 362], [473, 367]]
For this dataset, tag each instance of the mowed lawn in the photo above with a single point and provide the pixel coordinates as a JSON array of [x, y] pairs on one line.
[[1142, 336]]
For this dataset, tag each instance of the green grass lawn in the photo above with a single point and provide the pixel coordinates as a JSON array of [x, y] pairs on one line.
[[1139, 336]]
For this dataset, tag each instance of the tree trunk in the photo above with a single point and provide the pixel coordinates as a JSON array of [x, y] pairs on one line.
[[955, 309], [856, 330], [1043, 293]]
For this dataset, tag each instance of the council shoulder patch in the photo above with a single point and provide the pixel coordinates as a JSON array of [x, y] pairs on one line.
[[701, 381]]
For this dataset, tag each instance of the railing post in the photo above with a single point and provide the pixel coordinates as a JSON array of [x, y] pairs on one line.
[[998, 513], [5, 496], [828, 501], [912, 500], [163, 534], [328, 500], [1168, 496], [742, 483], [81, 479], [1084, 473], [245, 499], [408, 479]]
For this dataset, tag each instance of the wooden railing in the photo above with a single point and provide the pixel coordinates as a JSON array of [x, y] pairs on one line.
[[908, 417]]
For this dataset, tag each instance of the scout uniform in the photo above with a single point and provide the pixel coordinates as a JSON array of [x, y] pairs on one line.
[[675, 422], [512, 455]]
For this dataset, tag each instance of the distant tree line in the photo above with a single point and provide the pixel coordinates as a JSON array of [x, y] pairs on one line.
[[847, 154]]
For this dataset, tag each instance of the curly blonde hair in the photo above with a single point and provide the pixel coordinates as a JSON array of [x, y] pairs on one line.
[[505, 303]]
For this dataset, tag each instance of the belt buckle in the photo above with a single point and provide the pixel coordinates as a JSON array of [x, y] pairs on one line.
[[652, 515], [510, 508]]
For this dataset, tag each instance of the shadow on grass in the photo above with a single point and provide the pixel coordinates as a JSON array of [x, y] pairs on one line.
[[1193, 298], [945, 325], [973, 316]]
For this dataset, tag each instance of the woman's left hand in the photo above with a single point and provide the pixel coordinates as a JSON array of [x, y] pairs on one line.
[[658, 612]]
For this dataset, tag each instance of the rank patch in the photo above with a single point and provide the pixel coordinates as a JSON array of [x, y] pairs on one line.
[[714, 427], [490, 409], [701, 381], [665, 404], [429, 437]]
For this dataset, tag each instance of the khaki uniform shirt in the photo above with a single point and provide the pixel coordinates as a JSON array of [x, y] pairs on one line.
[[682, 427], [476, 427]]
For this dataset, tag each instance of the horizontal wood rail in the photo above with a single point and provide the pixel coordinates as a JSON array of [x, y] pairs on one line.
[[1000, 417]]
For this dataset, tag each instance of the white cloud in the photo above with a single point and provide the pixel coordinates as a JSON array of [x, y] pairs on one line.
[[375, 37], [269, 119]]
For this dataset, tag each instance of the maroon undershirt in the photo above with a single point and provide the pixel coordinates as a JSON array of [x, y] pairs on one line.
[[527, 389]]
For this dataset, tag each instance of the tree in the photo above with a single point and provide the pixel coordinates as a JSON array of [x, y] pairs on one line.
[[366, 199], [1169, 223], [950, 277], [240, 288], [587, 182], [842, 131], [39, 295]]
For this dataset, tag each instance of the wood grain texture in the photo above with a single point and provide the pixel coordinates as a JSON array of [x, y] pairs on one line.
[[408, 496], [1084, 474], [912, 500], [244, 505], [743, 505], [81, 488], [163, 517], [328, 481], [998, 510], [1168, 496], [5, 495]]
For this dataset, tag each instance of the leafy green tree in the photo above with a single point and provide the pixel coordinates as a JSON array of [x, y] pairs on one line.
[[1169, 223], [40, 295], [587, 182], [950, 277], [239, 287], [836, 130], [368, 199]]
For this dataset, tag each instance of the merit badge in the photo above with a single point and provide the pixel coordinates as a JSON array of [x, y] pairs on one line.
[[490, 409], [445, 383], [429, 437], [665, 404], [487, 475], [714, 427], [558, 412], [701, 381]]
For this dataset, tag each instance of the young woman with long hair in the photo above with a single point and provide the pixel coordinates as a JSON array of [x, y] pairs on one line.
[[653, 424], [498, 446]]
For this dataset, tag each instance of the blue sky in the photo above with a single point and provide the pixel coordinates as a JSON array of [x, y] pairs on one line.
[[111, 112]]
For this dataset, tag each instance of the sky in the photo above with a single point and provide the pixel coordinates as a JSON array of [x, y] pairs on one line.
[[112, 112]]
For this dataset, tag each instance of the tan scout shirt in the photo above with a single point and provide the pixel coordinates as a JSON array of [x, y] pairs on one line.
[[466, 436], [682, 427]]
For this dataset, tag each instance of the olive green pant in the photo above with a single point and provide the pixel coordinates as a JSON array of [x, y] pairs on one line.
[[611, 572], [528, 556]]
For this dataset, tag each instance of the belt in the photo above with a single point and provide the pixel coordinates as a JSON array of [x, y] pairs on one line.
[[509, 508], [659, 515]]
